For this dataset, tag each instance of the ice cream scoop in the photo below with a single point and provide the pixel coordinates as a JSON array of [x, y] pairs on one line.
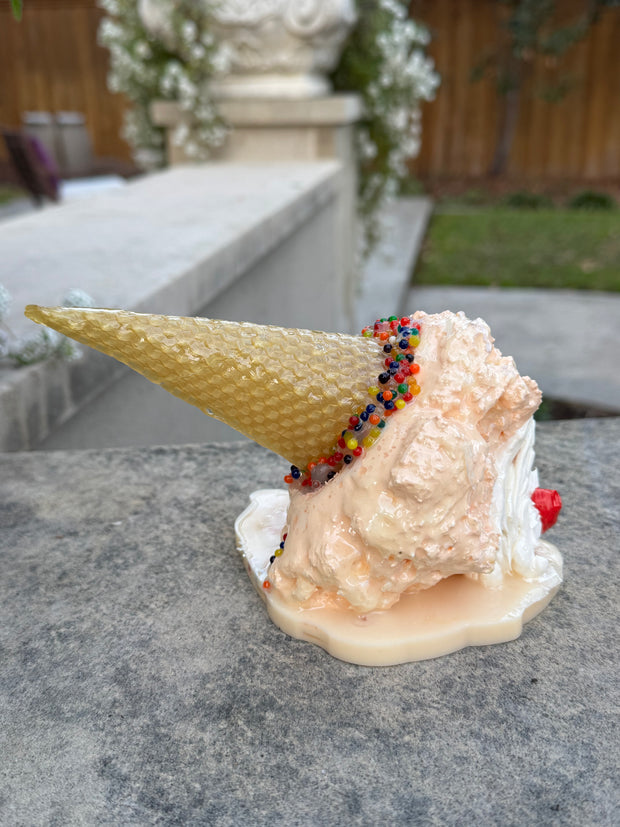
[[420, 544], [430, 542]]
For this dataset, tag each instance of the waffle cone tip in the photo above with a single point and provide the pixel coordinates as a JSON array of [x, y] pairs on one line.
[[38, 314]]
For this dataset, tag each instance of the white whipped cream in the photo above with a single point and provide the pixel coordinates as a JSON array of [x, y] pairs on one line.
[[446, 489]]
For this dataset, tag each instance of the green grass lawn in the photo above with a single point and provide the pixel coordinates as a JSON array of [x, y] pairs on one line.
[[503, 247]]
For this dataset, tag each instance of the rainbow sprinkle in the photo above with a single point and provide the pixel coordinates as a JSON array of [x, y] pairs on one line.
[[394, 389]]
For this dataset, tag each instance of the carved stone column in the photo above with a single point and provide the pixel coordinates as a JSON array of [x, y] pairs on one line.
[[276, 48], [281, 48], [276, 101], [270, 131]]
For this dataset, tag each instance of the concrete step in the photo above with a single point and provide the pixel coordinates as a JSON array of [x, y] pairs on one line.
[[568, 341], [387, 274]]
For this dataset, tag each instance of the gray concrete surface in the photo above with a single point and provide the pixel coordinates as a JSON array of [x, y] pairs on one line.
[[142, 682], [568, 341]]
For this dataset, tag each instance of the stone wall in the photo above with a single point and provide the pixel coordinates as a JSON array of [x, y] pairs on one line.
[[260, 242]]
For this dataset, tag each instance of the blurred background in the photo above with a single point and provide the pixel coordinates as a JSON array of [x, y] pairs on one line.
[[479, 142], [560, 104]]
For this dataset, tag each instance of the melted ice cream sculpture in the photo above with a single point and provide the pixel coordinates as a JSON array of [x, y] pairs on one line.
[[412, 523]]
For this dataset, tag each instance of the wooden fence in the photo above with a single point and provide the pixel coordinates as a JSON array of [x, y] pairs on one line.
[[577, 137], [51, 61]]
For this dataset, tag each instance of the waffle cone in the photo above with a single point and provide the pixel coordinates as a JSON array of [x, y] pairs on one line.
[[289, 390]]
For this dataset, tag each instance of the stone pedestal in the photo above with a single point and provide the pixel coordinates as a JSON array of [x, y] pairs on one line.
[[275, 129], [265, 130]]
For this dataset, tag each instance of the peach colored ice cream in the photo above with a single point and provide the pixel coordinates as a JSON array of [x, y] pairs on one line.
[[445, 490]]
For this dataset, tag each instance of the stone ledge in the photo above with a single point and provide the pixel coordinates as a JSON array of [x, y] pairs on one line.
[[332, 110], [171, 243], [143, 683], [387, 274]]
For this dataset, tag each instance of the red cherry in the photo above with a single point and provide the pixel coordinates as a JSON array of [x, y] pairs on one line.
[[549, 503]]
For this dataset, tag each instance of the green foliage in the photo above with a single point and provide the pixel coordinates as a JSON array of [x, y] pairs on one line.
[[9, 193], [410, 186], [556, 92], [384, 62], [536, 27], [173, 65], [545, 411], [16, 8], [474, 197], [523, 248], [525, 200], [592, 200], [44, 344], [554, 409], [469, 201]]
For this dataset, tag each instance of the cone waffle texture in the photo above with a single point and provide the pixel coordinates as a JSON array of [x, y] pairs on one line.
[[289, 390]]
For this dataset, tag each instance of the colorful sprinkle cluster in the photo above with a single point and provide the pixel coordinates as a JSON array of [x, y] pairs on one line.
[[395, 387], [277, 553]]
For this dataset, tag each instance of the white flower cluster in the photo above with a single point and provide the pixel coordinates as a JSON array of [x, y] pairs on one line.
[[45, 342], [173, 65], [406, 77], [397, 76], [177, 56]]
